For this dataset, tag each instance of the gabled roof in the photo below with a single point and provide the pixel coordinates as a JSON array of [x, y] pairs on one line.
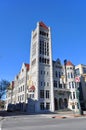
[[32, 88], [69, 63], [27, 66], [43, 25]]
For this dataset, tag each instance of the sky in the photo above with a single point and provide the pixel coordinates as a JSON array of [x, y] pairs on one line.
[[67, 19]]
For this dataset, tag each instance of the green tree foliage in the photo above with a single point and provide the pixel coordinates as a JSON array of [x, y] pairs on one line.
[[3, 87], [2, 103]]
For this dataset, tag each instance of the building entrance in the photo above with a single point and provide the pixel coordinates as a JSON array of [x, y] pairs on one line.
[[56, 103]]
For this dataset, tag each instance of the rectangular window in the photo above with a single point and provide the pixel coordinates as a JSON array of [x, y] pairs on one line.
[[41, 83], [56, 74], [47, 106], [73, 95], [77, 106], [69, 84], [41, 72], [84, 70], [47, 84], [70, 95], [68, 75], [31, 95], [77, 72], [47, 73], [41, 93], [23, 87], [42, 106], [72, 84], [55, 84], [47, 94], [60, 85], [59, 75], [71, 75], [48, 61], [20, 98]]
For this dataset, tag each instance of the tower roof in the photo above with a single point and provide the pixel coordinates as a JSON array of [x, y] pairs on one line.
[[69, 63], [27, 66], [43, 25]]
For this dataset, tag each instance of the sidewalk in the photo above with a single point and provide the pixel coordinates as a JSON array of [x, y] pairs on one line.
[[63, 115], [1, 118], [57, 114]]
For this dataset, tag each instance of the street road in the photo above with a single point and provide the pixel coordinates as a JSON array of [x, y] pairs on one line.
[[40, 122]]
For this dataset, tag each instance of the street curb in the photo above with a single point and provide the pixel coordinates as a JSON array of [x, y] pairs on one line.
[[59, 117], [69, 116]]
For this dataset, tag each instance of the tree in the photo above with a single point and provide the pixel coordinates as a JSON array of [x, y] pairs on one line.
[[2, 104], [3, 87]]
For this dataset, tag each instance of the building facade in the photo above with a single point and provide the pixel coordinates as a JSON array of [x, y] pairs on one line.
[[45, 85], [81, 76], [18, 92], [41, 71], [73, 103], [61, 92]]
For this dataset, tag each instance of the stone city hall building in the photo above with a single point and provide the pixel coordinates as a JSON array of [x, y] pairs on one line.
[[46, 85]]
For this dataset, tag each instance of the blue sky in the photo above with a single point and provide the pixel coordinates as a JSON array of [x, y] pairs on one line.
[[18, 18]]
